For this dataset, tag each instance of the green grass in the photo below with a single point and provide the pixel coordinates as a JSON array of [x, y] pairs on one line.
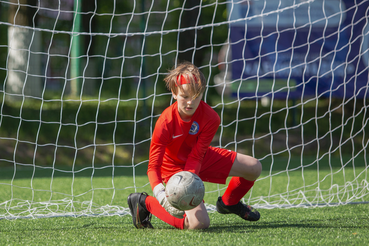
[[342, 225], [330, 225]]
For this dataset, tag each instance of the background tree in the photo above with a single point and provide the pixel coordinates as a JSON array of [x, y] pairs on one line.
[[24, 67]]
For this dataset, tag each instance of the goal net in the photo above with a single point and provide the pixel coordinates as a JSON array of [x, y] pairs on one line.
[[81, 87]]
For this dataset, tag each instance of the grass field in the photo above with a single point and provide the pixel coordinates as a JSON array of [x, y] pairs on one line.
[[329, 225], [342, 225]]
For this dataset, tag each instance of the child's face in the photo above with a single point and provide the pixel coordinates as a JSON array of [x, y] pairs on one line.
[[186, 104]]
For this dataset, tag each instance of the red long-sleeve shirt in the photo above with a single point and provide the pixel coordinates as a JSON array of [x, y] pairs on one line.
[[177, 145]]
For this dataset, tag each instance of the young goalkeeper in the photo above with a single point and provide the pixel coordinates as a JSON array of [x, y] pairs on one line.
[[181, 142]]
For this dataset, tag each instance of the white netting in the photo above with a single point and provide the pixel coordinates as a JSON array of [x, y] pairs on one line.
[[82, 87]]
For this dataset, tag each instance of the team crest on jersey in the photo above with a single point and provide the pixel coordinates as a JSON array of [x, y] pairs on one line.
[[194, 128]]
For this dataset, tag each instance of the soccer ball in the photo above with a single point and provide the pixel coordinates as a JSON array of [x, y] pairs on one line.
[[185, 190]]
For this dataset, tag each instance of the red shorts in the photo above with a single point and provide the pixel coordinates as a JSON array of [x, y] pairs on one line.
[[216, 165]]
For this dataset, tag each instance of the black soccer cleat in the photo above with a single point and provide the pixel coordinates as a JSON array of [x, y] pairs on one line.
[[141, 217], [246, 212]]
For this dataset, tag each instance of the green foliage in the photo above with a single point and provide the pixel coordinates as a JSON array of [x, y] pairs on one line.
[[119, 48], [105, 130], [76, 132], [314, 127]]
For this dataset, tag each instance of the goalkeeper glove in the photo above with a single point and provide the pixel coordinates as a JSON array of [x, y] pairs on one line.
[[159, 193]]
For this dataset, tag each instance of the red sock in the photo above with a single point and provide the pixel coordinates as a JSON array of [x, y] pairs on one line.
[[237, 188], [156, 209]]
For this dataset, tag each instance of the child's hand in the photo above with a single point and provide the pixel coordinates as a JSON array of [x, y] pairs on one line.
[[159, 193]]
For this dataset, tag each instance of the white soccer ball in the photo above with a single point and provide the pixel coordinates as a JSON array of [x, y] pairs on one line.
[[185, 190]]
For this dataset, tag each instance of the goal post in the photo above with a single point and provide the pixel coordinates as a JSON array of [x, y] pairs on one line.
[[289, 80]]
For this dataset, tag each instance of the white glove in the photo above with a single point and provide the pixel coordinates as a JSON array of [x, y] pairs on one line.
[[159, 193]]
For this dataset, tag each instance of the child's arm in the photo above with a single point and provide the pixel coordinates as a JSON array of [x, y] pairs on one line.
[[156, 158], [159, 141]]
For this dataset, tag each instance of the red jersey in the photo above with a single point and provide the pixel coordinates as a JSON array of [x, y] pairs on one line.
[[177, 145]]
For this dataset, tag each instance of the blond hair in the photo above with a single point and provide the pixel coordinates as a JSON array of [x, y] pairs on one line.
[[194, 77]]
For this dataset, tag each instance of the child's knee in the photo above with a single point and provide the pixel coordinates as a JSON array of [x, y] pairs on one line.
[[195, 224], [258, 168], [254, 170]]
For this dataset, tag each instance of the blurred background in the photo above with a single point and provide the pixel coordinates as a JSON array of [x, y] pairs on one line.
[[81, 82], [80, 77], [88, 53]]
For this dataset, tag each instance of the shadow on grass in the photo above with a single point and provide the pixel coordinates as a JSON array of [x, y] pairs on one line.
[[341, 222]]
